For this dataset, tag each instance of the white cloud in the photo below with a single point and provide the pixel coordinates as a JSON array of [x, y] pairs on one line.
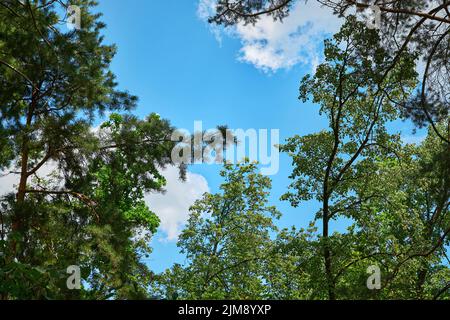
[[272, 45], [9, 181], [173, 206], [205, 9]]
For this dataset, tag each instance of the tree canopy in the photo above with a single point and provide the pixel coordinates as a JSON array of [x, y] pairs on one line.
[[84, 163], [90, 212]]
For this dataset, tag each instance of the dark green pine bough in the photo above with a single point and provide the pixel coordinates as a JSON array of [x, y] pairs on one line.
[[90, 210]]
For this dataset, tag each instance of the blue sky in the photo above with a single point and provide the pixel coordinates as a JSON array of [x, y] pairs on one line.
[[181, 69]]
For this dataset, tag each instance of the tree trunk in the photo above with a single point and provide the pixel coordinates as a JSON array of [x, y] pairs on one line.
[[327, 251], [17, 225]]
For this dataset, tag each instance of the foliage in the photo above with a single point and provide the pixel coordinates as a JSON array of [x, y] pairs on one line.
[[226, 241], [90, 210]]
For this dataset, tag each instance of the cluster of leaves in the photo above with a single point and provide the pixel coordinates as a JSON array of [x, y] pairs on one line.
[[226, 241], [398, 205], [90, 210], [395, 197]]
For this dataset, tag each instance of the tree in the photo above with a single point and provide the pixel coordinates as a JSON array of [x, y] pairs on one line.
[[294, 270], [227, 241], [90, 211], [357, 105], [408, 224], [421, 26]]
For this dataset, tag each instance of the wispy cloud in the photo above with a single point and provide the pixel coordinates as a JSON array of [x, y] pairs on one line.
[[206, 9], [272, 45]]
